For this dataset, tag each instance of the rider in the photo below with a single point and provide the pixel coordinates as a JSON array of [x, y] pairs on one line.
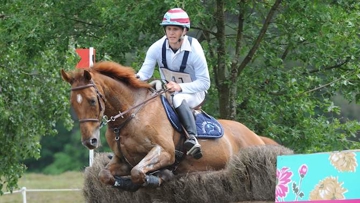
[[183, 66]]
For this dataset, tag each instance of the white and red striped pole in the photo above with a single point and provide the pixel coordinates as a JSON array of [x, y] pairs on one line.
[[87, 60]]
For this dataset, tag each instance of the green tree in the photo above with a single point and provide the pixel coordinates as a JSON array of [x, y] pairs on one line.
[[33, 97], [59, 153], [63, 152], [309, 54], [277, 64]]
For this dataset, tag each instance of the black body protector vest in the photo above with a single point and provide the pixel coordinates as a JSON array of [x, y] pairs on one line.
[[176, 76]]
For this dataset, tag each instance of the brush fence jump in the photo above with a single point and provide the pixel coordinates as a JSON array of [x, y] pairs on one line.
[[330, 177], [250, 176]]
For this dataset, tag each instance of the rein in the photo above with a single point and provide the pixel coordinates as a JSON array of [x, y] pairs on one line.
[[105, 120], [121, 114]]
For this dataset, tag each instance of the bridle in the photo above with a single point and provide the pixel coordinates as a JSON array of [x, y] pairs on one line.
[[105, 119], [98, 96]]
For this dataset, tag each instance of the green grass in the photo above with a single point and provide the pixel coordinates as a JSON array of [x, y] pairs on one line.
[[68, 180]]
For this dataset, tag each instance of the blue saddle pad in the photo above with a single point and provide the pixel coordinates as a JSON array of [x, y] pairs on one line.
[[207, 126]]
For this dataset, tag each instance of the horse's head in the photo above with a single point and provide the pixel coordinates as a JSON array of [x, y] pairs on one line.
[[88, 104]]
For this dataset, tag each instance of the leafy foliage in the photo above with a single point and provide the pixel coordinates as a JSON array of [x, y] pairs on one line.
[[298, 70], [32, 95]]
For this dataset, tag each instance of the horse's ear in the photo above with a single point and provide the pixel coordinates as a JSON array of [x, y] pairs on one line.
[[65, 76], [87, 75]]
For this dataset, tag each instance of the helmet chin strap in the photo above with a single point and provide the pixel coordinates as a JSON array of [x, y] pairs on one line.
[[180, 39], [182, 36]]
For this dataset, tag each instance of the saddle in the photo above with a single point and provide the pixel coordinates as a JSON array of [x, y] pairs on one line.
[[207, 126]]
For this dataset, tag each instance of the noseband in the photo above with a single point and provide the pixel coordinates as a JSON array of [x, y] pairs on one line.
[[98, 96]]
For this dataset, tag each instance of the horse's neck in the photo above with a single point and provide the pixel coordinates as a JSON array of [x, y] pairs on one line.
[[120, 97]]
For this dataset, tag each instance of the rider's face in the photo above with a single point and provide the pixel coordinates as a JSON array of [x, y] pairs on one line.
[[174, 33]]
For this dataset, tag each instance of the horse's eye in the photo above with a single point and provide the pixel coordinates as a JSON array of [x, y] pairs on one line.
[[92, 102]]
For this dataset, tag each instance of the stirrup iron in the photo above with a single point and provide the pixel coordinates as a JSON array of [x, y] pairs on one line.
[[195, 148], [195, 151]]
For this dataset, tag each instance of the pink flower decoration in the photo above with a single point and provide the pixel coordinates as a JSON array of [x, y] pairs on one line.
[[303, 170], [283, 179]]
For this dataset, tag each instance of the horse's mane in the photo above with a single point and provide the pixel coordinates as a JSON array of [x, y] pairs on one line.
[[119, 72]]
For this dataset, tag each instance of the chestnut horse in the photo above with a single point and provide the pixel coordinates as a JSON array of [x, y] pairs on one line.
[[139, 133]]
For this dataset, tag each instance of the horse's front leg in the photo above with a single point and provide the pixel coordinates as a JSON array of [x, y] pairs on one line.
[[156, 159], [116, 167]]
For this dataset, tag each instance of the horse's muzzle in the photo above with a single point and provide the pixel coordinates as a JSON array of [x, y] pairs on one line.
[[91, 143]]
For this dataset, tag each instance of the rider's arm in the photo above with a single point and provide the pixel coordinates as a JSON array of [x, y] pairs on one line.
[[197, 61], [152, 55]]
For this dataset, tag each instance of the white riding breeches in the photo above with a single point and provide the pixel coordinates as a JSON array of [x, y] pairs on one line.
[[193, 99]]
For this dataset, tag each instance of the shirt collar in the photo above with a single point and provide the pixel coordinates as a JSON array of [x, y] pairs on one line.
[[185, 46]]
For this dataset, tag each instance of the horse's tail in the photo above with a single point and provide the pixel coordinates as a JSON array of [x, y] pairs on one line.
[[268, 141]]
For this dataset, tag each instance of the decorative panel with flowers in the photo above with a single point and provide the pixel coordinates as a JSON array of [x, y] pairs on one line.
[[320, 177]]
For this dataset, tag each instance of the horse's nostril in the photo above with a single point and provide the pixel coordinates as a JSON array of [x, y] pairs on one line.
[[93, 141]]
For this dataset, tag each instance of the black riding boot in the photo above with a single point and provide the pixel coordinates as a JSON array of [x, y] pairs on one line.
[[187, 119]]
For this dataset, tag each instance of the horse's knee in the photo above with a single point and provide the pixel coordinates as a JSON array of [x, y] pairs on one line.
[[137, 175], [106, 177]]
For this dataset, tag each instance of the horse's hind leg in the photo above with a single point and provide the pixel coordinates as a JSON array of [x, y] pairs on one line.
[[156, 178], [156, 159]]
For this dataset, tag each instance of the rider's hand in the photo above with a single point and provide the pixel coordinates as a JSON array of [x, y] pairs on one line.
[[173, 87]]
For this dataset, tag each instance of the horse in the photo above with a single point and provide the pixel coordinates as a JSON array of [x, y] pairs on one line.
[[146, 147]]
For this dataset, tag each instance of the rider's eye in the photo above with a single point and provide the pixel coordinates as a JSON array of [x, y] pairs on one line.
[[92, 102]]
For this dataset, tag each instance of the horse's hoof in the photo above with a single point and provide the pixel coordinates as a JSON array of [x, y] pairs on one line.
[[125, 184], [166, 175], [152, 181]]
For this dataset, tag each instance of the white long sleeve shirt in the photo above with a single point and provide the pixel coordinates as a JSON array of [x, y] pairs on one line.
[[196, 64]]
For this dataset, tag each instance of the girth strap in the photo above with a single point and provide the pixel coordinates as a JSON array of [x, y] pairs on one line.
[[117, 138], [116, 131]]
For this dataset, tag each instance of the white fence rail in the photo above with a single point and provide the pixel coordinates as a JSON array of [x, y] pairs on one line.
[[23, 191]]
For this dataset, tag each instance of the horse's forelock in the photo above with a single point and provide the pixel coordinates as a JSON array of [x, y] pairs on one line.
[[77, 74], [122, 73]]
